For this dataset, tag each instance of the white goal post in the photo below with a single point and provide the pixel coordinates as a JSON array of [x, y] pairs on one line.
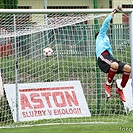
[[65, 87], [47, 11]]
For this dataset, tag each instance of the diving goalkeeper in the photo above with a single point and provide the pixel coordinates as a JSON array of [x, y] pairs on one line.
[[106, 61]]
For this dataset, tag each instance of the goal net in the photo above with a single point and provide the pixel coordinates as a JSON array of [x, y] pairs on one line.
[[67, 86]]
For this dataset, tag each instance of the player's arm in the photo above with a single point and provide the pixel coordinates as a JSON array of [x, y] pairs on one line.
[[104, 27], [118, 9]]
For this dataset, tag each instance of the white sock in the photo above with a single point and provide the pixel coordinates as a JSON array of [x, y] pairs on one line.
[[108, 83], [120, 87]]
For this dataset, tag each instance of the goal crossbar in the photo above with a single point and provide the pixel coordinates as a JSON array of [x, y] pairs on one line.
[[39, 11]]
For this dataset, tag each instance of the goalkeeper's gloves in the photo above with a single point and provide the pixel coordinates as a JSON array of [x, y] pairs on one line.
[[117, 9]]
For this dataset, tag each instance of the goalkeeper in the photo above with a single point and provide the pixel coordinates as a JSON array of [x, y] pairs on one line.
[[105, 59]]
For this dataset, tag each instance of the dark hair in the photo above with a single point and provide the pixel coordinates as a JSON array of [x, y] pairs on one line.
[[96, 35]]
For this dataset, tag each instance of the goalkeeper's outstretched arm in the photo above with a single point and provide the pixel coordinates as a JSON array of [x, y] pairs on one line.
[[117, 9], [104, 27]]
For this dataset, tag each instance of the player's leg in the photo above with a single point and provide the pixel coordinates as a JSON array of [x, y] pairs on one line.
[[107, 65], [111, 73], [111, 66], [126, 70], [126, 73]]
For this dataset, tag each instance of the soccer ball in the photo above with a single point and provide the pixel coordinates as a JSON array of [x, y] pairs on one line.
[[48, 51]]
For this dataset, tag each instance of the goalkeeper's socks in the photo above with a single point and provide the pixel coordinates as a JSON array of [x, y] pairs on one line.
[[125, 78], [111, 74]]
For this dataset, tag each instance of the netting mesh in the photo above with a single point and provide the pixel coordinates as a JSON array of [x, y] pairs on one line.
[[71, 36], [24, 24]]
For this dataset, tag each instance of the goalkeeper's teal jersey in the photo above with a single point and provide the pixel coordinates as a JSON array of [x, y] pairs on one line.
[[102, 40]]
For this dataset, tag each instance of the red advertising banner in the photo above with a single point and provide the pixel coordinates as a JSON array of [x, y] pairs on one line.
[[47, 100]]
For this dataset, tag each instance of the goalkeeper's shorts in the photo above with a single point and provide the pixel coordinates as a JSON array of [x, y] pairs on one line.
[[105, 60]]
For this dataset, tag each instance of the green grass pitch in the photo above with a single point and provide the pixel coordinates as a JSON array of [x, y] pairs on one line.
[[74, 128]]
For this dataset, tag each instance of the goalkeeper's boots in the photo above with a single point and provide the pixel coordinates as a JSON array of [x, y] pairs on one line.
[[121, 94], [107, 90]]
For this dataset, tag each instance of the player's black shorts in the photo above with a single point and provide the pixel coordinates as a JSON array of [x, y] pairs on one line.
[[105, 60]]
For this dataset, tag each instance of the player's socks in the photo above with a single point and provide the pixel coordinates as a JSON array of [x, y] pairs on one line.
[[125, 78], [111, 74]]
